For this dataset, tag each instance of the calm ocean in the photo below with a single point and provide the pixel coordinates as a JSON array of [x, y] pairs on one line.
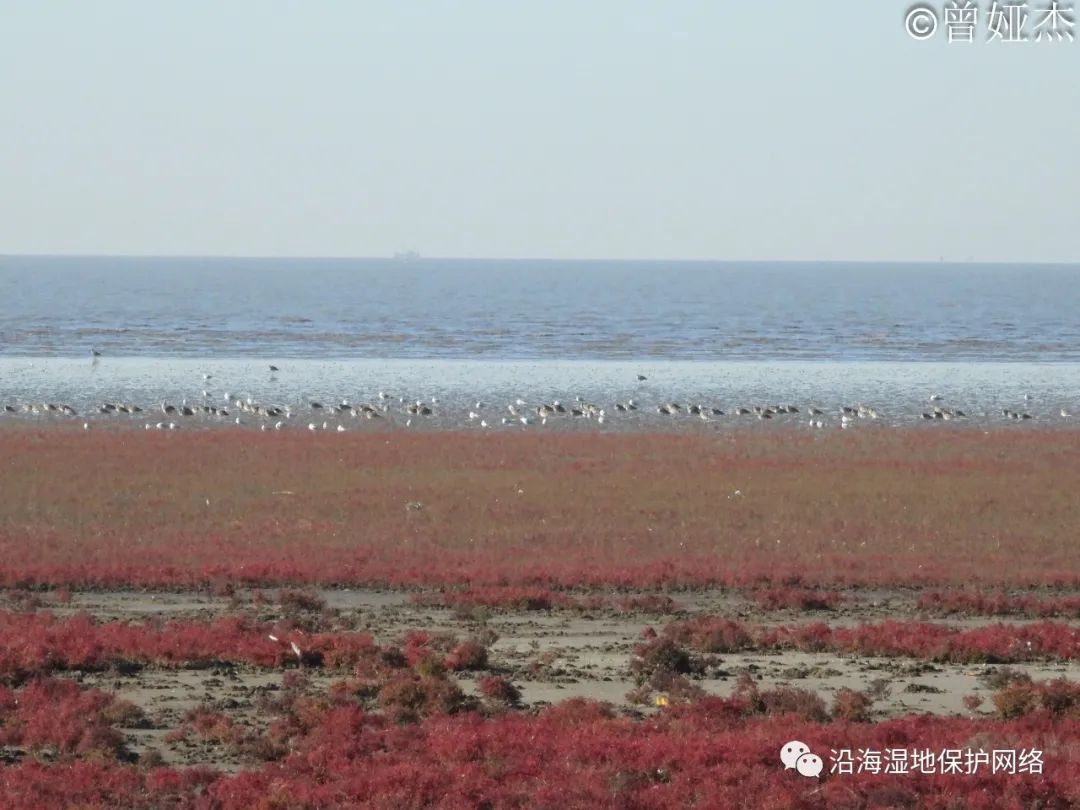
[[477, 309], [463, 329]]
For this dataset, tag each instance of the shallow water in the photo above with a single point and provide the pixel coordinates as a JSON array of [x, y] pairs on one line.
[[899, 390]]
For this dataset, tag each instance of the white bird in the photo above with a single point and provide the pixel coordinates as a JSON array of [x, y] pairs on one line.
[[936, 397], [312, 426], [172, 425], [296, 649], [473, 415], [483, 423], [340, 428], [86, 426], [207, 376], [277, 425]]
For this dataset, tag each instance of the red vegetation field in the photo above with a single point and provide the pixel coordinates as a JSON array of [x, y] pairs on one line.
[[709, 754], [294, 701], [134, 508], [981, 604], [998, 643], [39, 642]]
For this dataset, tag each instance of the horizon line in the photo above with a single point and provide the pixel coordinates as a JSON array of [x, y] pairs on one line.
[[404, 259]]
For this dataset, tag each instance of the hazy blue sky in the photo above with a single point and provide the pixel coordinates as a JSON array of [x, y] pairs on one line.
[[790, 129]]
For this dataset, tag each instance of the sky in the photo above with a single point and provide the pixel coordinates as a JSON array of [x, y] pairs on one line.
[[682, 129]]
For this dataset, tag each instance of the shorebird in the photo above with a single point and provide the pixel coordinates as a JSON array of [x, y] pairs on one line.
[[94, 352], [641, 378], [274, 368]]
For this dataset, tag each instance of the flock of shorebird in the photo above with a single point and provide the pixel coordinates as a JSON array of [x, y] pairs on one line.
[[403, 411], [245, 410]]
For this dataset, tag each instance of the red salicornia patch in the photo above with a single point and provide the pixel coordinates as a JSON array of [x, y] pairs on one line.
[[40, 642], [58, 717], [948, 603], [705, 753], [200, 508], [938, 642]]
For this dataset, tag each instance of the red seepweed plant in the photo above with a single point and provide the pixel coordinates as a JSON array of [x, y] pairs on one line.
[[997, 643]]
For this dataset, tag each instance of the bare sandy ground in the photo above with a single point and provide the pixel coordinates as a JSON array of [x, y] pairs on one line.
[[551, 656]]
